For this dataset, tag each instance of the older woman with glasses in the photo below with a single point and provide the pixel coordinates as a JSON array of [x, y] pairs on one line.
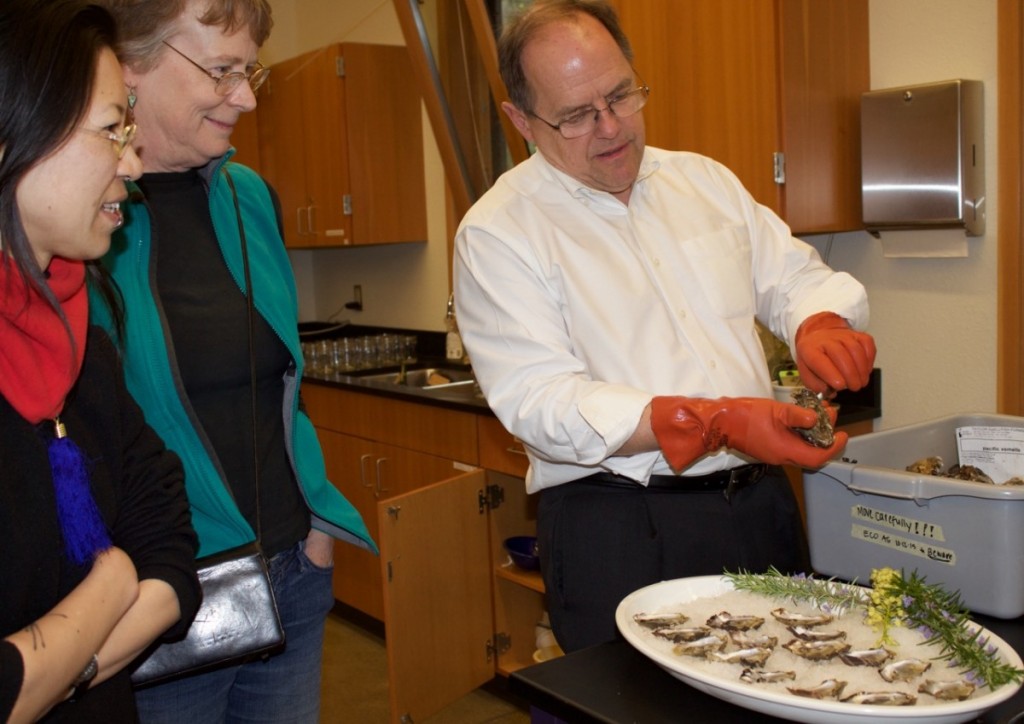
[[220, 385], [97, 547]]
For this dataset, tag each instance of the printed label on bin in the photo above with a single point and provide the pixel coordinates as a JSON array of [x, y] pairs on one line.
[[901, 523], [904, 545], [996, 451]]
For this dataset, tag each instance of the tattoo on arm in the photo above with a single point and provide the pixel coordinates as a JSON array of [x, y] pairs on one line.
[[38, 641], [37, 636]]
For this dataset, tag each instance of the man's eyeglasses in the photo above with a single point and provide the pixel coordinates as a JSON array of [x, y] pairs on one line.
[[584, 121], [227, 83]]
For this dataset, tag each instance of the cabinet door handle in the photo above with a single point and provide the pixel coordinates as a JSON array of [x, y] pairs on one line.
[[381, 490], [521, 450], [362, 470], [311, 219], [298, 221]]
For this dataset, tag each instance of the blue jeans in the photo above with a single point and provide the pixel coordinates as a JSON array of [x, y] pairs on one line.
[[284, 689]]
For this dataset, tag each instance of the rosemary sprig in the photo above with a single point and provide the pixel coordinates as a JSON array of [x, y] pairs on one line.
[[896, 599], [829, 595], [940, 616]]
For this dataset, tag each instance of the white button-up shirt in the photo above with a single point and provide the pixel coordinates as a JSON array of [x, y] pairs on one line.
[[576, 309]]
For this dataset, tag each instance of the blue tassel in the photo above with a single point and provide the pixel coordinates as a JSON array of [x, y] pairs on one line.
[[85, 534]]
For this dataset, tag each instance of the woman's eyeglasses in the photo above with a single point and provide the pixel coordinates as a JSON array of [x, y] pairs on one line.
[[227, 83], [120, 140]]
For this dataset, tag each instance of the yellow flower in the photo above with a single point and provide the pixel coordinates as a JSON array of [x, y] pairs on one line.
[[885, 603]]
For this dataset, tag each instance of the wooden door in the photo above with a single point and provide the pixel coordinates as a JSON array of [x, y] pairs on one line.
[[712, 66], [367, 472], [322, 115], [349, 464], [825, 69], [385, 145], [282, 145], [437, 595], [1010, 366], [742, 80], [245, 138]]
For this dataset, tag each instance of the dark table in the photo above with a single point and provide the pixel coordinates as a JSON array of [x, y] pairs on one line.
[[615, 683]]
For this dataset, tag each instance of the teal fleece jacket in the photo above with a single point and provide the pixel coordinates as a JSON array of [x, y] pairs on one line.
[[154, 380]]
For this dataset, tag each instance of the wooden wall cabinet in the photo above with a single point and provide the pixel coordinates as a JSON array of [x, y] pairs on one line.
[[246, 140], [770, 88], [341, 141], [440, 489]]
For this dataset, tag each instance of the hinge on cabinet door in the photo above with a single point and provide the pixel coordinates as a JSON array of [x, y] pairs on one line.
[[339, 66], [779, 167], [502, 643], [346, 204], [490, 498]]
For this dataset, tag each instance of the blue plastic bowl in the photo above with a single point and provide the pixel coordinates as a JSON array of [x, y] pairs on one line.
[[522, 549]]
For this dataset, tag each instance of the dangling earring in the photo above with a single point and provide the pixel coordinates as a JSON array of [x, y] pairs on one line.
[[132, 98]]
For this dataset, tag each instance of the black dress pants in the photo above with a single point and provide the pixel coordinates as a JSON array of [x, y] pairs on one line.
[[598, 543]]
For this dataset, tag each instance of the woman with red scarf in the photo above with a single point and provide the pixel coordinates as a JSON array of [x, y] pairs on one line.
[[96, 542]]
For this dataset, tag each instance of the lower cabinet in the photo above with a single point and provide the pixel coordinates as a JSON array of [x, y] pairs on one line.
[[439, 489], [368, 472]]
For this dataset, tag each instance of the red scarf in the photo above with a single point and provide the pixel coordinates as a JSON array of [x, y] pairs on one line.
[[38, 362]]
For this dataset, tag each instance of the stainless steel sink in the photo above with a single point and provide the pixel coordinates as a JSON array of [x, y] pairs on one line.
[[427, 378]]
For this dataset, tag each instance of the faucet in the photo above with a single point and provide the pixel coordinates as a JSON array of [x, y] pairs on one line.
[[453, 340]]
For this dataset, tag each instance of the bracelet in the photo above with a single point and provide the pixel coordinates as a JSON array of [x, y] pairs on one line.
[[80, 684]]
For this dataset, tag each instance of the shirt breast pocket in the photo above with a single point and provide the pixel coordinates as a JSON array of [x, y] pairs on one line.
[[721, 263]]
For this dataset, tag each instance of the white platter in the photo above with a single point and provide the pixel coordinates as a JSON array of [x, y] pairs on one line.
[[661, 596]]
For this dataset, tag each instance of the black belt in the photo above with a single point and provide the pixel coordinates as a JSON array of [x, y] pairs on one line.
[[726, 482]]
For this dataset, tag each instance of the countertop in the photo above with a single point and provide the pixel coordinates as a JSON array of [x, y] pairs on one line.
[[465, 398], [858, 406], [614, 683]]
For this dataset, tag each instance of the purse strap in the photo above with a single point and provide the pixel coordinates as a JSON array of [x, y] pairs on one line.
[[250, 308]]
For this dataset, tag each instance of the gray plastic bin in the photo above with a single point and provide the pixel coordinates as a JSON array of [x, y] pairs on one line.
[[868, 512]]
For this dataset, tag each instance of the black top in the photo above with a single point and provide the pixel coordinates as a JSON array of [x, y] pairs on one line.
[[138, 486], [206, 315]]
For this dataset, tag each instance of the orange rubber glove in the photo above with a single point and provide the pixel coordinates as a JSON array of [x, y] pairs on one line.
[[687, 428], [831, 355]]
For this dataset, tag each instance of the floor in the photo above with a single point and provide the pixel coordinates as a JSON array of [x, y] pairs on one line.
[[355, 683]]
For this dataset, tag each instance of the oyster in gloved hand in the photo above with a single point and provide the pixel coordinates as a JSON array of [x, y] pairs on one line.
[[822, 434]]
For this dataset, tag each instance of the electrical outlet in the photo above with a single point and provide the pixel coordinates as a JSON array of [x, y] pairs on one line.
[[357, 298]]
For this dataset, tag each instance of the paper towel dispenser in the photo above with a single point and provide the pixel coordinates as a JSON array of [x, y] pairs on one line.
[[923, 157]]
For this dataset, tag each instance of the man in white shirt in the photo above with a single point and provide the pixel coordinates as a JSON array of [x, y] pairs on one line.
[[606, 293]]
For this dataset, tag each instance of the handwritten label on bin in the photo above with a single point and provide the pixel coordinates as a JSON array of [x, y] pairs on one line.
[[918, 548], [910, 526]]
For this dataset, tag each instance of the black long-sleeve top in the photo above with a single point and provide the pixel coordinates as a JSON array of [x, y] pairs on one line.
[[138, 486]]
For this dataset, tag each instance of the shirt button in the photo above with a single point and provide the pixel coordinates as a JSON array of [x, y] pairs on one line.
[[682, 314], [657, 261], [712, 364]]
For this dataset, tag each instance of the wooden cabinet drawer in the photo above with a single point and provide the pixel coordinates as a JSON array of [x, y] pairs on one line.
[[499, 450], [425, 428]]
